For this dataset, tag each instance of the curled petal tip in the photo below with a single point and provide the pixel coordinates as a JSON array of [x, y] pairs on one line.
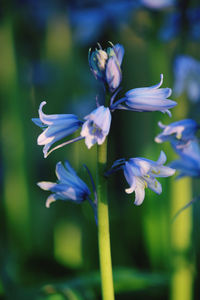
[[161, 125], [161, 80], [129, 190], [50, 200], [42, 104], [157, 140]]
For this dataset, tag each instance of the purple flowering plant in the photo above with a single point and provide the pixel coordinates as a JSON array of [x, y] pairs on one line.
[[140, 173]]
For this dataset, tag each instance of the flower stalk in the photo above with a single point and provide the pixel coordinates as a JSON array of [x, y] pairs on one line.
[[103, 226]]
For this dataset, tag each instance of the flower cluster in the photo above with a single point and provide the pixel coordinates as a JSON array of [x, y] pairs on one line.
[[139, 172], [106, 67], [182, 136]]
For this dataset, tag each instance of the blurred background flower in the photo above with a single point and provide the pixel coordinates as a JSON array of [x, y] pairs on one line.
[[187, 77]]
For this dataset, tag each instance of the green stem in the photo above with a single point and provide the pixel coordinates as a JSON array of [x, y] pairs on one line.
[[103, 226]]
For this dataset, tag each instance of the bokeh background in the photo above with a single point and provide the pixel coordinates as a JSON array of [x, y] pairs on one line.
[[53, 253]]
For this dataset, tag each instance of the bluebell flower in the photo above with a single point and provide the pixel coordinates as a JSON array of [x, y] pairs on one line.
[[187, 77], [151, 98], [188, 163], [55, 127], [68, 187], [141, 173], [180, 132], [106, 65], [97, 126]]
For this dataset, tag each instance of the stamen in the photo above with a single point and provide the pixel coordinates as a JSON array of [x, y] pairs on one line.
[[155, 172]]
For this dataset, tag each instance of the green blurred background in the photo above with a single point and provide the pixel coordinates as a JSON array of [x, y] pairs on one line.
[[53, 253]]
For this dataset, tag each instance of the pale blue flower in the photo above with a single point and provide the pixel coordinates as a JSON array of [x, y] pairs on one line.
[[189, 162], [187, 77], [106, 65], [180, 132], [151, 98], [97, 126], [68, 187], [55, 127], [141, 173]]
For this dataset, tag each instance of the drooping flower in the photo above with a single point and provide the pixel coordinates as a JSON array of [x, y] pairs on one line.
[[55, 127], [106, 65], [97, 126], [68, 187], [151, 98], [188, 163], [187, 77], [179, 133], [141, 173]]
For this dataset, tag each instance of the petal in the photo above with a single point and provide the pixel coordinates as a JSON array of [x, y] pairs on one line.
[[130, 190], [69, 168], [53, 134], [144, 165], [164, 171], [146, 89], [67, 175], [130, 178], [113, 73], [77, 179], [139, 195], [162, 158], [161, 125], [90, 141], [154, 185], [57, 119], [119, 51], [104, 120], [46, 185], [149, 92], [132, 187], [38, 122], [160, 138], [85, 128], [52, 198], [46, 149], [149, 103], [101, 138], [62, 173]]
